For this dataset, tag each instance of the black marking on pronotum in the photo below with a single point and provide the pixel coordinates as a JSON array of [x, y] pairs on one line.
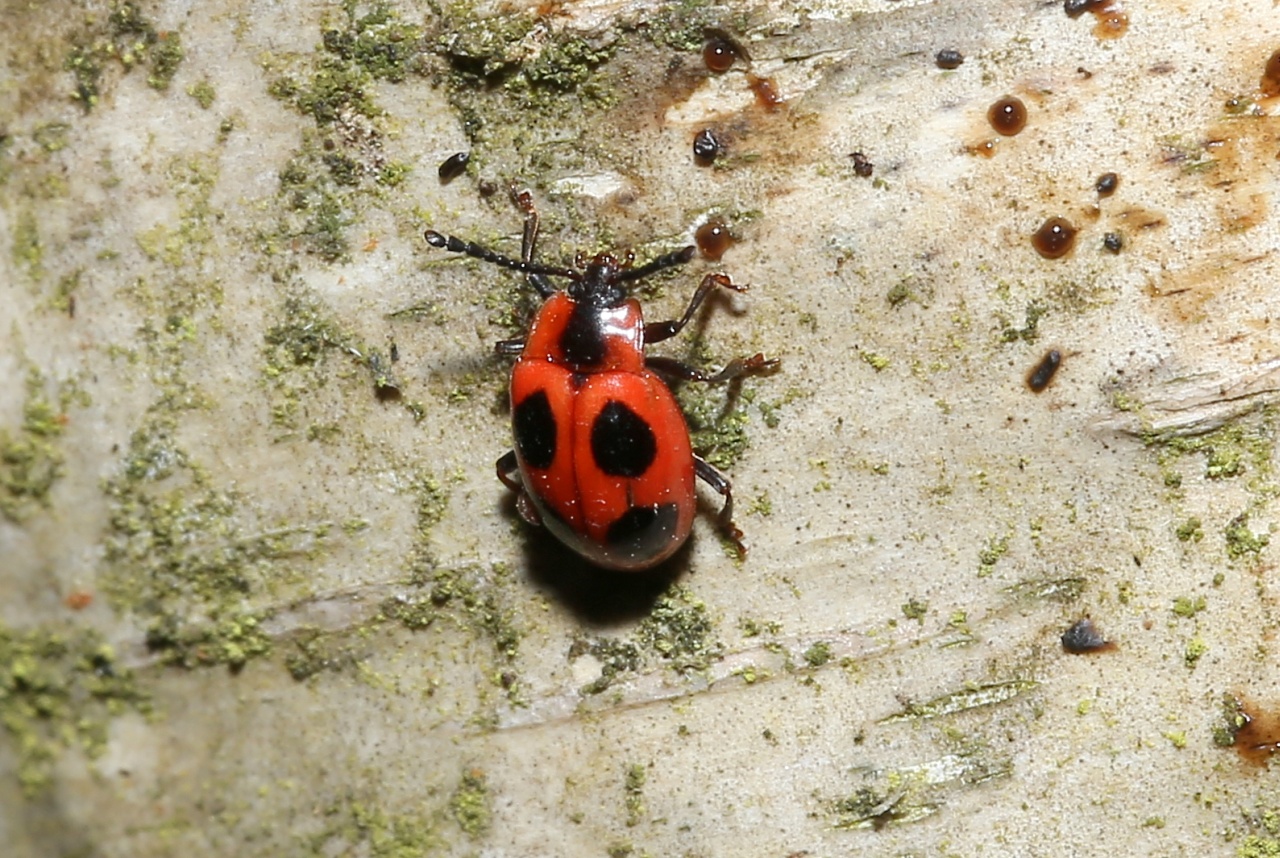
[[535, 430], [1042, 373], [643, 530], [622, 443], [582, 340]]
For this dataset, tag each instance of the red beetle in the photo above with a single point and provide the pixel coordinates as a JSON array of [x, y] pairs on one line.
[[602, 455]]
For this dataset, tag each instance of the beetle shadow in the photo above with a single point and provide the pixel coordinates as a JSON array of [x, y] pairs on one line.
[[598, 596]]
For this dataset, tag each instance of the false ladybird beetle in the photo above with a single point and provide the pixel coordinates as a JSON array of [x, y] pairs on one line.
[[602, 455]]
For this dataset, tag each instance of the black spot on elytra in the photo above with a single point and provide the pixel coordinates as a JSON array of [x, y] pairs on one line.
[[582, 340], [644, 530], [535, 430], [621, 441]]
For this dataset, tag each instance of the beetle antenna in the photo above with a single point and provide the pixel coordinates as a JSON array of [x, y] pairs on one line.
[[667, 260], [457, 245]]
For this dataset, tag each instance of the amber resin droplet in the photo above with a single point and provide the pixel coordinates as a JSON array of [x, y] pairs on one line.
[[1271, 76], [1008, 116], [719, 54], [1055, 238], [987, 148], [713, 239], [766, 92]]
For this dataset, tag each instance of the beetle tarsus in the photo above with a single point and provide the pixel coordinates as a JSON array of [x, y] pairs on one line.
[[714, 477], [672, 368]]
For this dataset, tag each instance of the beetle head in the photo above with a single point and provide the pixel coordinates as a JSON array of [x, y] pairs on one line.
[[599, 284]]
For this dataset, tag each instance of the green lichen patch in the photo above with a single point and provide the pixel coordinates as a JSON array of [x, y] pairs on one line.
[[1047, 589], [684, 26], [52, 136], [203, 92], [474, 597], [63, 299], [718, 417], [470, 803], [344, 157], [533, 72], [296, 368], [317, 211], [616, 657], [6, 157], [915, 609], [27, 248], [995, 548], [1195, 650], [314, 651], [377, 42], [1187, 607], [363, 829], [356, 50], [876, 361], [900, 796], [296, 349], [1231, 720], [190, 558], [334, 89], [1190, 154], [166, 56], [304, 335], [678, 633], [1256, 846], [59, 688], [566, 65], [31, 458], [1241, 540], [633, 794], [186, 243], [1263, 839], [1190, 530], [1233, 450], [973, 697], [869, 808], [125, 38], [818, 654], [537, 95], [1030, 330], [679, 630], [481, 48]]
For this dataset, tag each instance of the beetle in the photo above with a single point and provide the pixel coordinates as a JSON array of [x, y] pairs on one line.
[[602, 456]]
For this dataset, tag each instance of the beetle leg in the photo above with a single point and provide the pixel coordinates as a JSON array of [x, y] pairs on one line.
[[509, 472], [656, 332], [509, 348], [529, 241], [673, 368], [714, 477]]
